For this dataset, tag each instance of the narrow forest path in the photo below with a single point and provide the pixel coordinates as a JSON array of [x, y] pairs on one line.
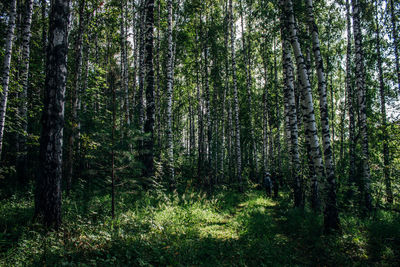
[[192, 229]]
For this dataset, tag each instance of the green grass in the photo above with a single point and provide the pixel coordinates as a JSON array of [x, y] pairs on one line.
[[193, 229]]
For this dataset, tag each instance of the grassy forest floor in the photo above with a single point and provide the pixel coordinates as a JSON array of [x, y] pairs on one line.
[[192, 229]]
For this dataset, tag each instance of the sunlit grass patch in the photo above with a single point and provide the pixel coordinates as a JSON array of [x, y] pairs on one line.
[[194, 229]]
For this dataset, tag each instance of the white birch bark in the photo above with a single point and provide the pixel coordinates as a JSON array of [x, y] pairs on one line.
[[6, 69], [23, 111], [331, 219], [361, 90], [236, 102], [309, 116], [170, 149]]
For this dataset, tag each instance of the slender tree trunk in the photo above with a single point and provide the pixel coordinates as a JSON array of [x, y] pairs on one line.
[[48, 187], [114, 127], [395, 41], [124, 63], [44, 29], [148, 143], [331, 215], [23, 109], [360, 82], [253, 154], [278, 175], [200, 135], [170, 78], [225, 92], [6, 69], [136, 43], [289, 95], [350, 103], [309, 116], [265, 118], [139, 103], [74, 97], [207, 107], [236, 102], [158, 79], [386, 164]]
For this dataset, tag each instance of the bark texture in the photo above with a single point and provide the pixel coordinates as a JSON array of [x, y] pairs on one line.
[[6, 69], [48, 187], [235, 101], [362, 105], [23, 109], [331, 215], [308, 116], [170, 144], [148, 143]]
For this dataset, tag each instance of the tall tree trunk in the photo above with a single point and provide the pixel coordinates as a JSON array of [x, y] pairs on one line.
[[75, 98], [309, 116], [361, 90], [48, 187], [114, 127], [253, 154], [148, 144], [386, 164], [289, 95], [124, 62], [142, 67], [236, 102], [23, 109], [158, 80], [136, 42], [6, 69], [207, 105], [395, 41], [200, 130], [265, 118], [170, 150], [350, 103], [331, 215], [225, 92], [278, 175], [247, 53]]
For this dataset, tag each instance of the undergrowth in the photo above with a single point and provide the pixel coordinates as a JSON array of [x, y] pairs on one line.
[[192, 229]]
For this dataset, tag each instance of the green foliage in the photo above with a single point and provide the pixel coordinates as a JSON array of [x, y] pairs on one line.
[[191, 228]]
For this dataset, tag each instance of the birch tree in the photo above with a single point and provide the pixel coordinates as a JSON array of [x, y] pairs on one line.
[[235, 100], [309, 116], [350, 99], [75, 95], [170, 78], [331, 213], [288, 77], [148, 144], [395, 41], [362, 105], [385, 150], [23, 109], [6, 69], [48, 186]]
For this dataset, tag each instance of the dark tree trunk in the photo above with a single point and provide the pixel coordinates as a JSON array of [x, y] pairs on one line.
[[148, 143], [48, 187], [386, 163], [75, 98], [362, 103]]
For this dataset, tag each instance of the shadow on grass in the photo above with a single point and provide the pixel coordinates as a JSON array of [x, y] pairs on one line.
[[243, 230], [14, 218]]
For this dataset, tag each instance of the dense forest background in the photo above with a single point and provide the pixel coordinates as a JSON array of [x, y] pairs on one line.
[[187, 132]]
